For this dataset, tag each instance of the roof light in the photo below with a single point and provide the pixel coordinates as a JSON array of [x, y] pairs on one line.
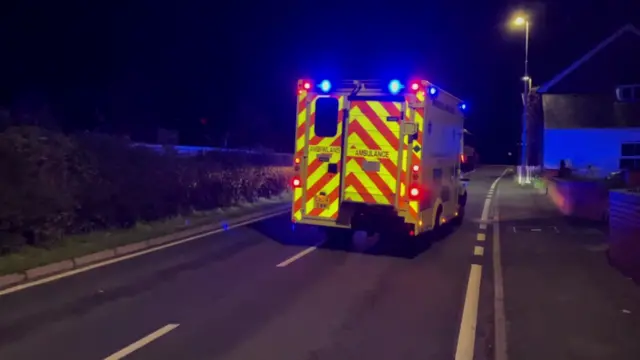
[[433, 90], [306, 85], [415, 86], [462, 106], [395, 86], [325, 85]]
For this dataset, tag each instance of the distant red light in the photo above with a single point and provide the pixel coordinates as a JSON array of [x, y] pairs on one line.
[[411, 233]]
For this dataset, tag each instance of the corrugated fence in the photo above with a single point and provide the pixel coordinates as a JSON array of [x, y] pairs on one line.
[[624, 231]]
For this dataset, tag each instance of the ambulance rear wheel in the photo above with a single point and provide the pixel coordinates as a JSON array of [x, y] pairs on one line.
[[437, 222], [337, 235], [462, 200], [457, 221]]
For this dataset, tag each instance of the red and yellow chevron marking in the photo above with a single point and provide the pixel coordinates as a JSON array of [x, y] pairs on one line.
[[317, 180], [301, 128], [370, 131], [416, 157]]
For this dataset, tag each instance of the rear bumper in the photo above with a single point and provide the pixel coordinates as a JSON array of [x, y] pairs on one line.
[[366, 217]]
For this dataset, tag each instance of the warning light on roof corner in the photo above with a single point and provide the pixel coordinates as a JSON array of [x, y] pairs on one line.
[[306, 85], [395, 86], [325, 86], [415, 86]]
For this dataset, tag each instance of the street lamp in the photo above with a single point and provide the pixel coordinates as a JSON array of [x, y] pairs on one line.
[[524, 21], [519, 21]]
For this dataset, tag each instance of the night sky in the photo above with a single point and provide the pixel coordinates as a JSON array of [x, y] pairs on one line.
[[130, 67]]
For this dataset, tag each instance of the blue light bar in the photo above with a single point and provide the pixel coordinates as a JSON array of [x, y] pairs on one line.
[[325, 85], [395, 86], [433, 90]]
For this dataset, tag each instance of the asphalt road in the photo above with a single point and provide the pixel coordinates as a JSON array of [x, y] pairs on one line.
[[224, 297]]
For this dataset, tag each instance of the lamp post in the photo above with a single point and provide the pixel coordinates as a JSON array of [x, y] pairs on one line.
[[526, 79]]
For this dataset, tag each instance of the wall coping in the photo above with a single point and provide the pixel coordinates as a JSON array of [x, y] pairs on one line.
[[630, 192], [557, 179]]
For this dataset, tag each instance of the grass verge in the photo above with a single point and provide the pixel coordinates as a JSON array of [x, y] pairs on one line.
[[83, 244], [538, 183]]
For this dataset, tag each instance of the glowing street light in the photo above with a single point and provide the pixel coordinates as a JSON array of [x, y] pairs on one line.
[[519, 21]]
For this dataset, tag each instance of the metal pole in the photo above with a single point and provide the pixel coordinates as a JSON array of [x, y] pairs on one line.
[[526, 49], [525, 80]]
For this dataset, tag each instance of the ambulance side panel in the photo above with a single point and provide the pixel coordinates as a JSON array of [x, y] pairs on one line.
[[441, 158]]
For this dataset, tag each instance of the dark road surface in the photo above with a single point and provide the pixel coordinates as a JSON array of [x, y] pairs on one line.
[[223, 297]]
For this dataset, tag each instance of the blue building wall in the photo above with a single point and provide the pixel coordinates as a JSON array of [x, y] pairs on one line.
[[600, 148]]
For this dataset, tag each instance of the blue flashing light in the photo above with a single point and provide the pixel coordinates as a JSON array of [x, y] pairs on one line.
[[225, 226], [463, 106], [325, 85], [433, 90], [395, 86]]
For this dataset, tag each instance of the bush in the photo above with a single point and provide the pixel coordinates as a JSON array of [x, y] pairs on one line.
[[52, 185]]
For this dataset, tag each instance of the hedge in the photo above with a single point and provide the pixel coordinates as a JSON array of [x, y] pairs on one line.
[[52, 185]]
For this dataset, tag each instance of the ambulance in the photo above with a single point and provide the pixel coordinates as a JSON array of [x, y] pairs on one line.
[[378, 155]]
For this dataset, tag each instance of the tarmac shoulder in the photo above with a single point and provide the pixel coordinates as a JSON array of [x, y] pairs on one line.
[[562, 298]]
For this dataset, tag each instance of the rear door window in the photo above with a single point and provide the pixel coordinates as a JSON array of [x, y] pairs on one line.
[[326, 117]]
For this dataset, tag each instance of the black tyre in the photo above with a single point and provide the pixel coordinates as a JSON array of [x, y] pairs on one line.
[[438, 220], [462, 202]]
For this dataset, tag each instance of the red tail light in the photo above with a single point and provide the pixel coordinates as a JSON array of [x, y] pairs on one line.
[[296, 182], [414, 192], [297, 160], [462, 158], [415, 169]]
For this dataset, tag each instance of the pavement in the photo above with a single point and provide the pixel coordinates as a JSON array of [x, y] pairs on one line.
[[562, 298], [225, 297]]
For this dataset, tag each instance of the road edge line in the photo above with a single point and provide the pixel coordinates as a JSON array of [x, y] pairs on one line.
[[147, 250], [500, 319]]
